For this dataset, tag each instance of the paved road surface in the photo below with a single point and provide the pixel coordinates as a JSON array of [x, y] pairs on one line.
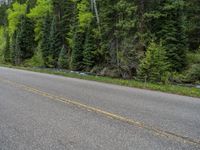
[[43, 112]]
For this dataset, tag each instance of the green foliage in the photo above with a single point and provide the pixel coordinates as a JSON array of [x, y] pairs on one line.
[[3, 15], [55, 43], [14, 14], [42, 8], [85, 16], [2, 43], [77, 53], [193, 58], [7, 54], [17, 51], [89, 50], [125, 30], [193, 24], [63, 58], [22, 41], [13, 47], [173, 35], [154, 66], [193, 74], [127, 60], [25, 38], [45, 41], [113, 35], [38, 13], [175, 89], [35, 61]]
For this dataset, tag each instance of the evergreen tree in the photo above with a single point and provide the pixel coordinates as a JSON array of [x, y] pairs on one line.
[[173, 34], [25, 37], [55, 43], [21, 1], [31, 3], [63, 58], [93, 35], [125, 31], [63, 10], [193, 24], [89, 50], [7, 54], [13, 47], [77, 52], [154, 65], [66, 20], [17, 51], [45, 40], [108, 42], [3, 14]]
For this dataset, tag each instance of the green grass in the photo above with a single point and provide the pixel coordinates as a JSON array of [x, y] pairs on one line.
[[173, 89]]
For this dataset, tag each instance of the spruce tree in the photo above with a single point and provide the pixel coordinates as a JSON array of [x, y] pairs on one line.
[[89, 50], [3, 14], [193, 24], [63, 58], [173, 34], [13, 47], [18, 54], [7, 54], [55, 43], [107, 35], [124, 34], [25, 37], [66, 21], [45, 39], [77, 52], [154, 65]]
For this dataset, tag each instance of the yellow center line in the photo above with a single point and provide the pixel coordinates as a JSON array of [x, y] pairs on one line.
[[157, 131]]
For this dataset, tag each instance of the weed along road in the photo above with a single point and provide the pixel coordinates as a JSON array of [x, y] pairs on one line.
[[41, 111]]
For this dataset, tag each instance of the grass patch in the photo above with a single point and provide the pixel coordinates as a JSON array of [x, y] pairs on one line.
[[173, 89]]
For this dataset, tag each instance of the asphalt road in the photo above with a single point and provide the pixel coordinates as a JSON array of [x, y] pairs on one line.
[[48, 112]]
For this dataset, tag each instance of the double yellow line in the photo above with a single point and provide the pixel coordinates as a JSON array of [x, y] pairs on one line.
[[157, 131]]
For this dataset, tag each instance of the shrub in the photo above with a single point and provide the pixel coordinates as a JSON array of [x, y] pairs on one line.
[[193, 74]]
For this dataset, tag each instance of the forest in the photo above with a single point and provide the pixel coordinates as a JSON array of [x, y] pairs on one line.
[[147, 40]]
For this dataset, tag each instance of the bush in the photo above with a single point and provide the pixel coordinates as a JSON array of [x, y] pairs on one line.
[[35, 61], [194, 58], [193, 74]]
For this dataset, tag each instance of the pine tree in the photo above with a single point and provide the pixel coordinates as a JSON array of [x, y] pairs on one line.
[[21, 1], [66, 21], [63, 58], [193, 24], [13, 47], [3, 14], [108, 49], [55, 43], [155, 64], [25, 37], [17, 51], [77, 52], [173, 34], [45, 40], [7, 54], [89, 50]]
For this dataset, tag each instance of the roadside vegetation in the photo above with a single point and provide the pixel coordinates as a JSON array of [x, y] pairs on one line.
[[146, 44], [168, 88]]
